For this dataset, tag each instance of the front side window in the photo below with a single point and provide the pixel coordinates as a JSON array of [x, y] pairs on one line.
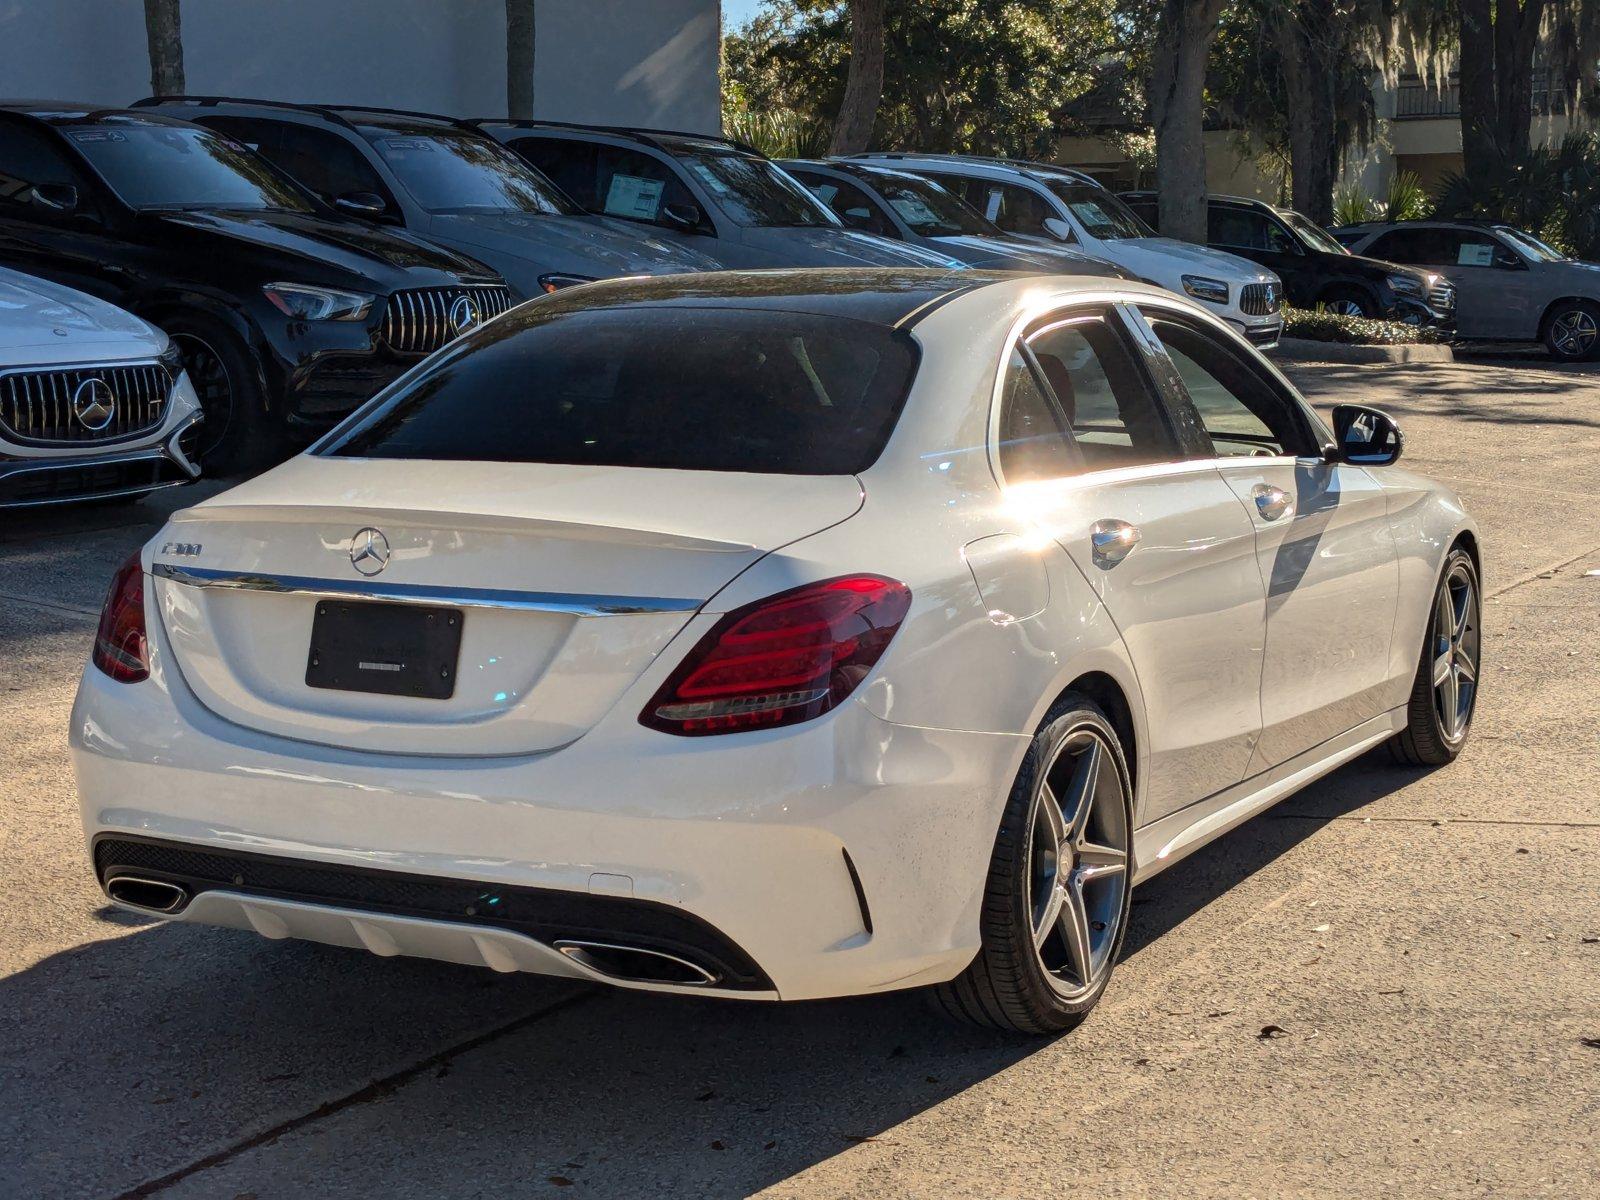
[[318, 160], [1013, 208], [27, 160], [176, 167], [751, 190], [1111, 415], [849, 203], [676, 387], [459, 172], [1244, 229], [1241, 411], [1098, 211], [929, 209]]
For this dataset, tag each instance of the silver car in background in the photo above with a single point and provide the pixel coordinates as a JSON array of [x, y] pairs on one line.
[[1510, 285], [94, 403]]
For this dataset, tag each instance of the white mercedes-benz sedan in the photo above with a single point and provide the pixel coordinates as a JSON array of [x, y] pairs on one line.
[[774, 635]]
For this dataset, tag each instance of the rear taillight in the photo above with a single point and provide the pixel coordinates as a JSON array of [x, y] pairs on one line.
[[784, 659], [119, 645]]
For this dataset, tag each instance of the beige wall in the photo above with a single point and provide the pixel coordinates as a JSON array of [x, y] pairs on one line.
[[1227, 171]]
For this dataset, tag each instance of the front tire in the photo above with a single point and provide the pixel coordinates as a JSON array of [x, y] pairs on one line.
[[238, 433], [1056, 903], [1348, 302], [1444, 694], [1572, 332]]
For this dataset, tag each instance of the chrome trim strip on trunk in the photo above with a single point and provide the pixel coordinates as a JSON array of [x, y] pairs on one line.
[[570, 603]]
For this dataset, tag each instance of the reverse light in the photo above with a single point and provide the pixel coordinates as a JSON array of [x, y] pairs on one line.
[[1214, 291], [120, 646], [307, 303], [782, 660]]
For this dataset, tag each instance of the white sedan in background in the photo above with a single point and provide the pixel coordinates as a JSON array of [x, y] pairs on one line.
[[774, 635], [94, 402]]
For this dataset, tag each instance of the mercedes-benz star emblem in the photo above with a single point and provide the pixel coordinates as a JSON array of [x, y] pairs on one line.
[[94, 403], [464, 314], [369, 551]]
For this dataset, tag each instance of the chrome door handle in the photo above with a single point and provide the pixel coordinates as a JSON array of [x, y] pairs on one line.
[[1113, 541], [1271, 502]]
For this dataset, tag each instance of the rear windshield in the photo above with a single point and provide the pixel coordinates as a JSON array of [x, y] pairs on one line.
[[686, 388]]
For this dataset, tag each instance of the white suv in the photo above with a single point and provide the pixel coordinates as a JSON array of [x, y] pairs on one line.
[[93, 400], [1070, 206]]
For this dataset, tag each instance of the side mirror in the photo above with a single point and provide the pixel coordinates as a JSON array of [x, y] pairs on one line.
[[1367, 437], [1059, 229], [685, 216], [369, 205], [55, 197]]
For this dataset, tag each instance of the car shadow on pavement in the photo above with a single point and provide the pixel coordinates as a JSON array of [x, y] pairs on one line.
[[138, 1055]]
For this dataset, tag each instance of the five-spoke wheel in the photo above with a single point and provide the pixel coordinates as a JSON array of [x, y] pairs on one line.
[[1573, 331], [1445, 691]]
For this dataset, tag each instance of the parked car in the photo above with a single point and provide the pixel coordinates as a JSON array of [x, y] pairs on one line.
[[1317, 271], [443, 180], [701, 634], [908, 208], [721, 198], [287, 314], [1073, 208], [1510, 286], [94, 404]]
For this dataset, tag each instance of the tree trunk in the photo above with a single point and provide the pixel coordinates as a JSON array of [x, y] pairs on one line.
[[1498, 38], [1303, 36], [852, 132], [164, 33], [1185, 30], [519, 59]]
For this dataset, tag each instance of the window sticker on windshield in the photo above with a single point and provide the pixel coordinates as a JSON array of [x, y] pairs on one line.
[[408, 144], [634, 196], [914, 210], [1475, 255], [711, 179], [96, 135], [992, 209]]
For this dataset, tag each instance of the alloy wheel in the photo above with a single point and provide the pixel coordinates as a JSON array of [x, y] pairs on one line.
[[1574, 332], [1455, 653], [209, 375], [1078, 863], [1346, 308]]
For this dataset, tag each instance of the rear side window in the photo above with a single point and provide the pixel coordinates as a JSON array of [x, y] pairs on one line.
[[683, 388], [321, 161]]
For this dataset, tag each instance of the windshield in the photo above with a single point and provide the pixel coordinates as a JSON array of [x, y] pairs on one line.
[[1531, 246], [1098, 211], [680, 388], [928, 209], [1312, 234], [176, 167], [457, 172], [751, 190]]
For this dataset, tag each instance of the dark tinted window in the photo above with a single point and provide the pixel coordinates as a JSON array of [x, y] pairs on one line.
[[1033, 442], [1013, 208], [849, 203], [182, 167], [610, 179], [27, 158], [1408, 246], [317, 159], [1247, 229], [1114, 418], [454, 172], [929, 208], [700, 389]]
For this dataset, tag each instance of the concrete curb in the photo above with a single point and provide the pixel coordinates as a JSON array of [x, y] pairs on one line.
[[1306, 350]]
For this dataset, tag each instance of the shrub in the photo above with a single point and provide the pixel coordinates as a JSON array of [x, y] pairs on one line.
[[1352, 206], [780, 133], [1324, 326]]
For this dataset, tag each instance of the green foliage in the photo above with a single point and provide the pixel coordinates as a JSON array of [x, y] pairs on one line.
[[1407, 200], [778, 133], [1352, 206], [1553, 193], [1324, 326], [974, 76]]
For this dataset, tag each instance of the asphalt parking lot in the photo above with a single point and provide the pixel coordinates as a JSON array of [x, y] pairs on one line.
[[1389, 985]]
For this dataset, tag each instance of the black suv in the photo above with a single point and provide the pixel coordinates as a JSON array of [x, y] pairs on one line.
[[1316, 269], [288, 314]]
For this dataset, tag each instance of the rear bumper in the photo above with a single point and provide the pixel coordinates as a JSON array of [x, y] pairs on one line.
[[844, 856]]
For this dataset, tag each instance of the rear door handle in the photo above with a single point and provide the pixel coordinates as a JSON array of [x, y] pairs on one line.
[[1271, 502], [1113, 541]]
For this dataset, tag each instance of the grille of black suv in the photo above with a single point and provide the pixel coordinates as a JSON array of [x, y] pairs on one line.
[[83, 405], [547, 914], [1259, 299], [1442, 297], [421, 321]]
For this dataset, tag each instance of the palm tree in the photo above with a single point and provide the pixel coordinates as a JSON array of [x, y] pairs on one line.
[[164, 31], [519, 59]]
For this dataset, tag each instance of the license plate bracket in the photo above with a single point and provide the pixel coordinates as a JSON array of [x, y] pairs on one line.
[[386, 649]]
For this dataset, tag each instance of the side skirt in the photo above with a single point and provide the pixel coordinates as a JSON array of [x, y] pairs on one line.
[[1176, 836]]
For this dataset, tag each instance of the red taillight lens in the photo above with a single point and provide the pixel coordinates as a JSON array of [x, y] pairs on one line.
[[119, 645], [784, 659]]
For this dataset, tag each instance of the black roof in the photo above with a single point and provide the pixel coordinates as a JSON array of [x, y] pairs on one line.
[[887, 296], [339, 114], [57, 112], [662, 139]]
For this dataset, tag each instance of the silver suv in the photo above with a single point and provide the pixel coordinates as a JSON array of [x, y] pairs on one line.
[[1510, 286]]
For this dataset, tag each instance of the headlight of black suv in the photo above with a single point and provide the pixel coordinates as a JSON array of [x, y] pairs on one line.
[[306, 302], [1406, 285]]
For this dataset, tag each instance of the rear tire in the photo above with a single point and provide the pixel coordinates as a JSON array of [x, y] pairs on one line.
[[1572, 331], [1055, 907], [1444, 693], [238, 434]]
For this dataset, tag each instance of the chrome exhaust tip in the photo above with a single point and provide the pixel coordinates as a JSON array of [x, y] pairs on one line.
[[634, 964], [152, 895]]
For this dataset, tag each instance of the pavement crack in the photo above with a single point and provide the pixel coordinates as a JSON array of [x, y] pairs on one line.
[[375, 1090], [1540, 572], [54, 606]]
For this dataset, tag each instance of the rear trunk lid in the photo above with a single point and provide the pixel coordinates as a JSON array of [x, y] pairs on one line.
[[568, 581]]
